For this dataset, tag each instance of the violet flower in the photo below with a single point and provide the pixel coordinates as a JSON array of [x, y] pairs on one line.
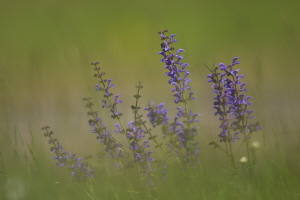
[[231, 103], [157, 114], [139, 145]]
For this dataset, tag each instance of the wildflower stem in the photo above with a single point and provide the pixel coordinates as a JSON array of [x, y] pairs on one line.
[[110, 104], [138, 117], [101, 128]]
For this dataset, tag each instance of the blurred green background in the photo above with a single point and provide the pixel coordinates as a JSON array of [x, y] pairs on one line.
[[47, 47]]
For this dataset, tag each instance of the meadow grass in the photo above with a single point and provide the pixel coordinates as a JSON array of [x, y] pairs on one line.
[[41, 179]]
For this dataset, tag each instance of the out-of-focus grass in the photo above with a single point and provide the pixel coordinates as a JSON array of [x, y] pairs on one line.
[[41, 179]]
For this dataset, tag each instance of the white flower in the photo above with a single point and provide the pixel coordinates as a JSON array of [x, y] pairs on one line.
[[243, 159], [255, 145]]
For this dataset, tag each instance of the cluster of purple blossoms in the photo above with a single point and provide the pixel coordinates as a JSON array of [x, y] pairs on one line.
[[80, 170], [182, 136], [157, 114], [231, 106], [231, 103], [134, 133], [139, 145], [177, 72], [181, 132]]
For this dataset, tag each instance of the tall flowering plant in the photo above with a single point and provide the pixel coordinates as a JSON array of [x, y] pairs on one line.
[[232, 107], [131, 145], [136, 151], [181, 132]]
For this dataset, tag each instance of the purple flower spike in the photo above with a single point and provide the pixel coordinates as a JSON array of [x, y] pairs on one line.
[[104, 85], [177, 72], [181, 132], [231, 103]]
